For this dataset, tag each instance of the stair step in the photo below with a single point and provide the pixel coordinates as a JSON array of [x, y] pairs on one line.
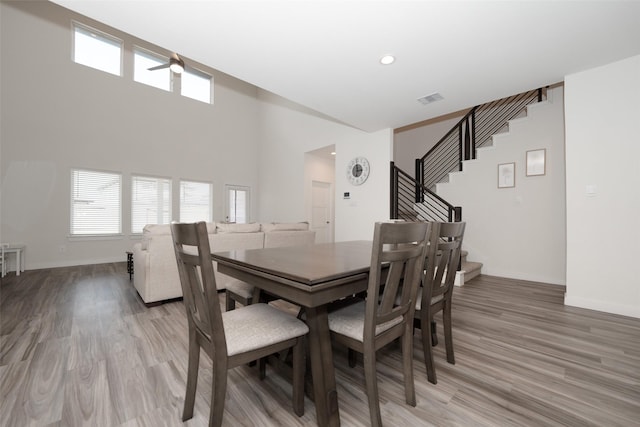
[[471, 269], [468, 271]]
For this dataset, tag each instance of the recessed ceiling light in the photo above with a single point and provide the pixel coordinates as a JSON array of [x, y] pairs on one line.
[[387, 59]]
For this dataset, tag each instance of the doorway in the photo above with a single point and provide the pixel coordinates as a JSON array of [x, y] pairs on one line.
[[322, 211]]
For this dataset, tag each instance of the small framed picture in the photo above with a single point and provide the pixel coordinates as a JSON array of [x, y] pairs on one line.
[[506, 175], [536, 162]]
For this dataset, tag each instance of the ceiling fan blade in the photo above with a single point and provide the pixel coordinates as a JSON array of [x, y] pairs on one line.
[[158, 67]]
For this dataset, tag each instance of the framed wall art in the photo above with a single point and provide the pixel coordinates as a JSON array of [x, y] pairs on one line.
[[506, 175], [536, 162]]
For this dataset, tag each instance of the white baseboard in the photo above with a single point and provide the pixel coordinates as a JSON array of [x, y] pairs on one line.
[[607, 307], [520, 276]]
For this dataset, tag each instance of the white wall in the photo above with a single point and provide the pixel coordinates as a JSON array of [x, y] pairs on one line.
[[57, 115], [517, 232], [603, 151], [368, 202], [288, 131]]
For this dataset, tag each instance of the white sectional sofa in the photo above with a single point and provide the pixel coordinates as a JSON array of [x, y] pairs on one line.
[[155, 270]]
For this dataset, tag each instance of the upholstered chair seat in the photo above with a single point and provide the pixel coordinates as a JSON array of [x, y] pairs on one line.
[[261, 325]]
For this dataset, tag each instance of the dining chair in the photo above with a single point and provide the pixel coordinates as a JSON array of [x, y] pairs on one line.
[[238, 291], [397, 259], [436, 292], [229, 338]]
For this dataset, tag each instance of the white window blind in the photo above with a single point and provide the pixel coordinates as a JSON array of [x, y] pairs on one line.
[[150, 202], [143, 60], [97, 50], [196, 85], [195, 201], [238, 199], [95, 202]]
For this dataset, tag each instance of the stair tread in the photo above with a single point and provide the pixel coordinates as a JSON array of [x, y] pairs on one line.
[[468, 270], [470, 265]]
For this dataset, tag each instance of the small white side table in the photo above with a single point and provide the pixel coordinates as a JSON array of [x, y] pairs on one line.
[[16, 248]]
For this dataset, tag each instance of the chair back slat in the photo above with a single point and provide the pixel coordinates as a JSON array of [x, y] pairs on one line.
[[197, 277], [394, 277], [440, 272], [400, 247]]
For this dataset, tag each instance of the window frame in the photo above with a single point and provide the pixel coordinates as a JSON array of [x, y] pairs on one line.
[[95, 32], [197, 73], [153, 55]]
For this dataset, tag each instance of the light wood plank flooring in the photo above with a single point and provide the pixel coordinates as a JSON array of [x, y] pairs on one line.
[[78, 347]]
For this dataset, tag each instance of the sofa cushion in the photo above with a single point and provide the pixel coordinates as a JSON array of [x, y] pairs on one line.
[[165, 229], [220, 242], [253, 227], [284, 226], [158, 229], [153, 230], [277, 239]]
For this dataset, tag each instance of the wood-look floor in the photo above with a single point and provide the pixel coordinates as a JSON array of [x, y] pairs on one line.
[[78, 347]]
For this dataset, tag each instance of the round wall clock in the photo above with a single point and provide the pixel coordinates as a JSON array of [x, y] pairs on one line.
[[358, 170]]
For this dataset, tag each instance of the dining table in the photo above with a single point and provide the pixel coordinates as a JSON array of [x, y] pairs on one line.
[[310, 276]]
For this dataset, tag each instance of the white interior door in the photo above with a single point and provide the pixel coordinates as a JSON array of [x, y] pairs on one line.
[[322, 211]]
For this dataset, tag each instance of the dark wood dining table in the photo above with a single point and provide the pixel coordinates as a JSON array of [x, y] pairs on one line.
[[309, 276]]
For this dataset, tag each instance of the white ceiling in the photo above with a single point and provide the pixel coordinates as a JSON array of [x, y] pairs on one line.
[[324, 54]]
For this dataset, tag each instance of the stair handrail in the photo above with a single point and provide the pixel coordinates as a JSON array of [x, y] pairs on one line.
[[474, 130], [410, 200], [453, 129]]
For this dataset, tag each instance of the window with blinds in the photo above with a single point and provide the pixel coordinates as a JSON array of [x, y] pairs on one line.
[[95, 203], [238, 204], [150, 202], [195, 201]]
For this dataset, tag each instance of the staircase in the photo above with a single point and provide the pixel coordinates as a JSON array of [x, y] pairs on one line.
[[414, 199]]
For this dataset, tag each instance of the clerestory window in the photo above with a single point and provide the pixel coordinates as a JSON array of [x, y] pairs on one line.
[[97, 50], [196, 85], [142, 61]]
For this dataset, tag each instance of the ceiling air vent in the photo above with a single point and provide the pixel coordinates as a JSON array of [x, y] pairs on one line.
[[430, 98]]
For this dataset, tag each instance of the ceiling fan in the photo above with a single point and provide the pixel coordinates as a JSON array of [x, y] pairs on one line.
[[175, 64]]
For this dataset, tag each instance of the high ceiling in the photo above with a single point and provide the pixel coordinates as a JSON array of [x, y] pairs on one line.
[[325, 54]]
